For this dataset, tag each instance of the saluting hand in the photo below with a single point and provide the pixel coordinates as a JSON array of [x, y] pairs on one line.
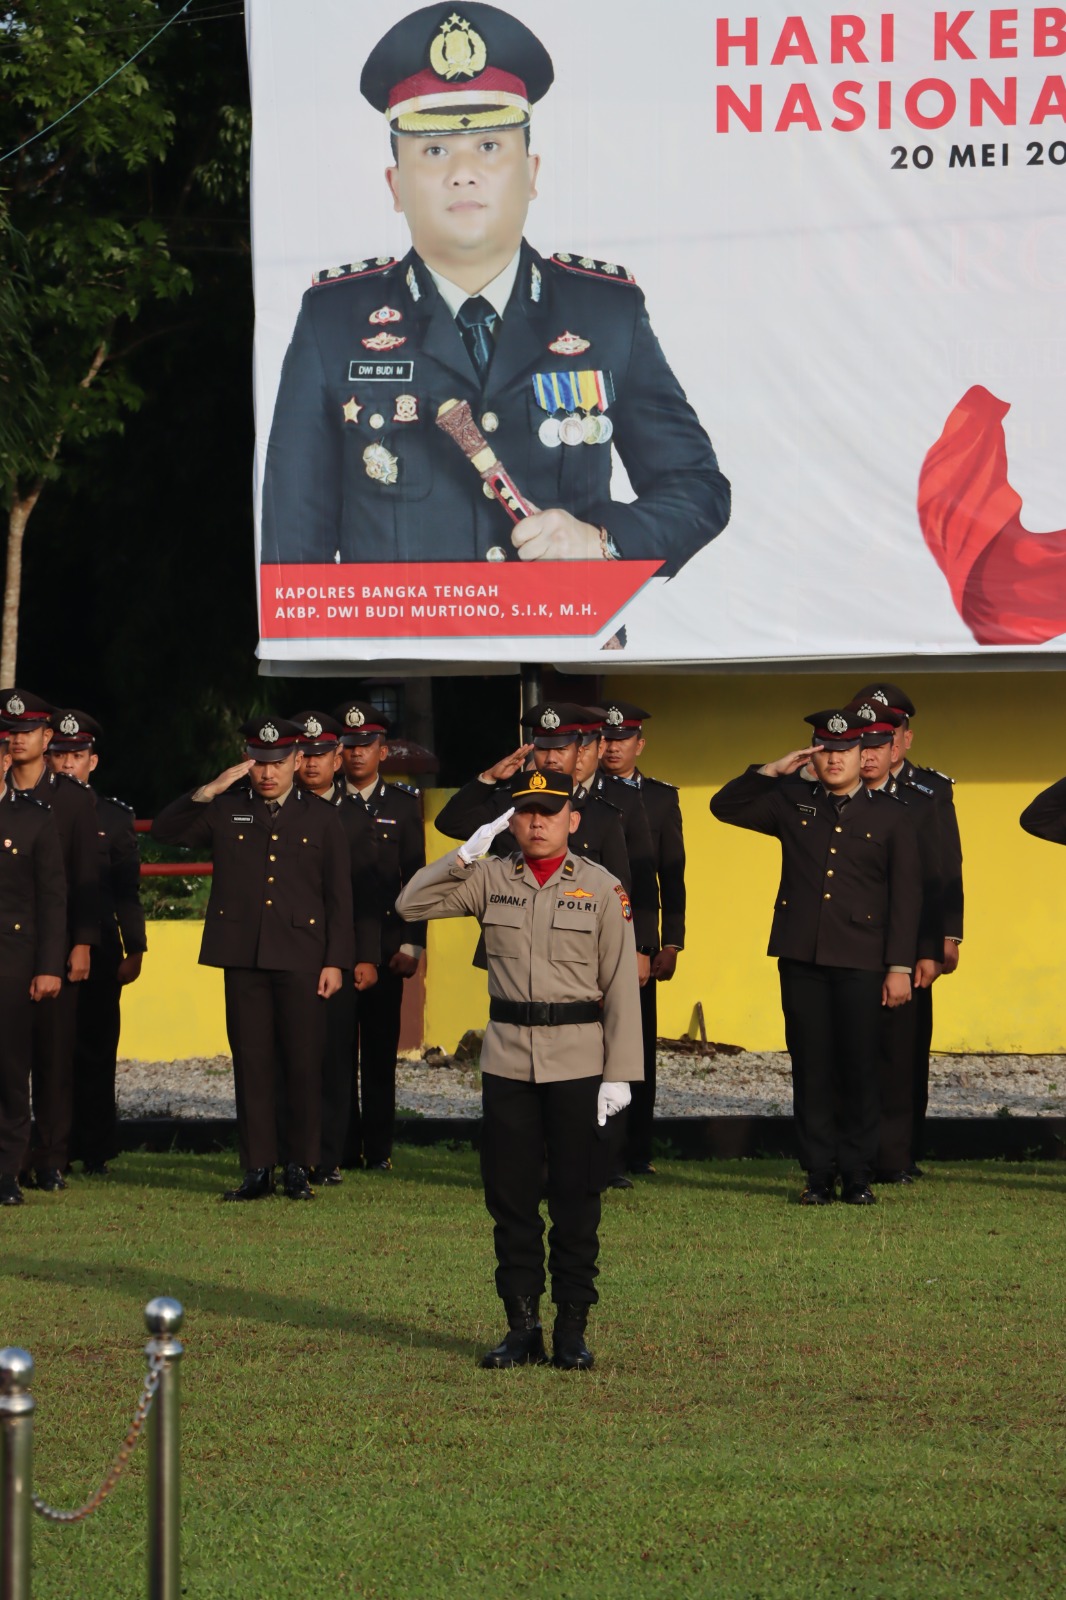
[[224, 781], [787, 765], [508, 766], [556, 536], [896, 989]]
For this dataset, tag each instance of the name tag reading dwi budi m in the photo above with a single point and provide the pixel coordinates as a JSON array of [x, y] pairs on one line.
[[381, 371]]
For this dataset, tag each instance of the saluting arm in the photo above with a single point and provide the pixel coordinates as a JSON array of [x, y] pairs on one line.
[[623, 1052], [184, 821], [750, 801], [446, 888], [470, 806]]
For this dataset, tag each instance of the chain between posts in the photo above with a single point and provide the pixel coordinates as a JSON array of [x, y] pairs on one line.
[[156, 1364]]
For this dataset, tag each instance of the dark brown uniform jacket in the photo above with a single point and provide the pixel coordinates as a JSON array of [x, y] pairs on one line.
[[396, 810], [942, 791], [281, 893], [851, 886], [33, 893], [122, 930], [368, 905], [74, 810], [662, 807]]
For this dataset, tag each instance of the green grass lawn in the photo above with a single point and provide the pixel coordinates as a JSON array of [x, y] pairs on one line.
[[785, 1402]]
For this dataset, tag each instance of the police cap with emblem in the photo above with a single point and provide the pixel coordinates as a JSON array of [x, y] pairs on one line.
[[556, 723], [73, 730], [889, 694], [23, 711], [546, 791], [622, 720], [361, 723], [836, 730], [592, 723], [879, 721], [456, 69], [319, 733], [270, 738]]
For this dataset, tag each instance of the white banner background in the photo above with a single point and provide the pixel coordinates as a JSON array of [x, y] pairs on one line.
[[823, 310]]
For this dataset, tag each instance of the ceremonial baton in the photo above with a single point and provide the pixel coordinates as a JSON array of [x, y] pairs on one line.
[[455, 419]]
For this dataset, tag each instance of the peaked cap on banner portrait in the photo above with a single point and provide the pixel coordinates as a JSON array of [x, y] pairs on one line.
[[456, 69]]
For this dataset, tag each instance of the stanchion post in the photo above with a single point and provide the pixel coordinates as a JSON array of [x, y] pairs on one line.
[[17, 1406], [163, 1318]]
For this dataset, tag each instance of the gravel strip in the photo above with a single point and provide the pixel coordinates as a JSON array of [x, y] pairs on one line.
[[744, 1084]]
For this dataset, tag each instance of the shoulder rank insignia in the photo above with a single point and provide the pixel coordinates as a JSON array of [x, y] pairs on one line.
[[352, 269], [660, 783], [519, 867], [586, 267], [113, 799], [408, 788], [937, 774], [568, 869], [912, 783]]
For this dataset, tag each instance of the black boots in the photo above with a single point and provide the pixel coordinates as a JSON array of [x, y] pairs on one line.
[[523, 1343], [569, 1350], [256, 1184]]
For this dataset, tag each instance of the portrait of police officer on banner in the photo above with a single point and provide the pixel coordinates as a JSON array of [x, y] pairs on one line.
[[464, 403]]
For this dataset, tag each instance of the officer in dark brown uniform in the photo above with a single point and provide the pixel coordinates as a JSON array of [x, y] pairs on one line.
[[319, 774], [33, 955], [623, 733], [845, 932], [396, 812], [941, 789], [279, 923], [54, 1026], [117, 961]]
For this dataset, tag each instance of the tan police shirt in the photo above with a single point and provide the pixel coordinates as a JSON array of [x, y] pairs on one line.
[[568, 939]]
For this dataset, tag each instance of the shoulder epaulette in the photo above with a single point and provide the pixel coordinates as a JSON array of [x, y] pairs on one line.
[[586, 267], [352, 269], [26, 797], [937, 774], [660, 783], [113, 800], [912, 783], [408, 788]]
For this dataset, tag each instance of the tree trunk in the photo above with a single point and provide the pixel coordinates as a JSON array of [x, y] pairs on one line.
[[18, 516]]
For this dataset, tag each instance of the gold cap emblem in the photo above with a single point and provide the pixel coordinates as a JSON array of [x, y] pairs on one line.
[[537, 780], [457, 51]]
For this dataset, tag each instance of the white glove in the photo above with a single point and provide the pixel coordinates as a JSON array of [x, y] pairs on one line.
[[478, 843], [612, 1098]]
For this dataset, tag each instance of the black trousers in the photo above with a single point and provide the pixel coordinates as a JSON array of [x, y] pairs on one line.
[[373, 1095], [339, 1085], [896, 1075], [54, 1024], [639, 1117], [524, 1122], [94, 1136], [16, 1055], [832, 1029], [276, 1016], [922, 1005]]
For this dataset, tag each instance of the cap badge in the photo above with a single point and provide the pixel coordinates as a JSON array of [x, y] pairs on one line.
[[867, 713], [312, 727], [385, 314], [406, 408], [569, 344], [15, 705], [550, 719], [268, 734], [537, 780], [354, 718], [837, 723], [383, 341], [880, 695], [69, 725], [615, 718], [457, 51], [381, 464]]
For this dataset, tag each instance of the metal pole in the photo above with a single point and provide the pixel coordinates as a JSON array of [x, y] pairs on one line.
[[531, 690], [17, 1406], [163, 1318]]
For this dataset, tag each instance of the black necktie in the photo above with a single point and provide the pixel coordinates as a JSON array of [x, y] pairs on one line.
[[840, 801], [273, 806], [476, 320]]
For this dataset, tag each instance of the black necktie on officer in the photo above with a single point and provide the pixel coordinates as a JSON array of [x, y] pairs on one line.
[[476, 321]]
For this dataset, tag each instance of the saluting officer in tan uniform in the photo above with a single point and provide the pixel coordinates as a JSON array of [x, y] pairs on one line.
[[561, 1049]]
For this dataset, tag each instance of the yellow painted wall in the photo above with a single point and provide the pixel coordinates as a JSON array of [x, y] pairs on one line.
[[998, 734]]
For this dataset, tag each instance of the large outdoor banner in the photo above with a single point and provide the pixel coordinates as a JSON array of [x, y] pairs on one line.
[[758, 352]]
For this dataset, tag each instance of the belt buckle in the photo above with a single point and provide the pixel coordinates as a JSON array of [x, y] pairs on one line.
[[539, 1013]]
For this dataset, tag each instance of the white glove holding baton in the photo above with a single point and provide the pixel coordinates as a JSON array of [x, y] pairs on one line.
[[612, 1098], [478, 843]]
